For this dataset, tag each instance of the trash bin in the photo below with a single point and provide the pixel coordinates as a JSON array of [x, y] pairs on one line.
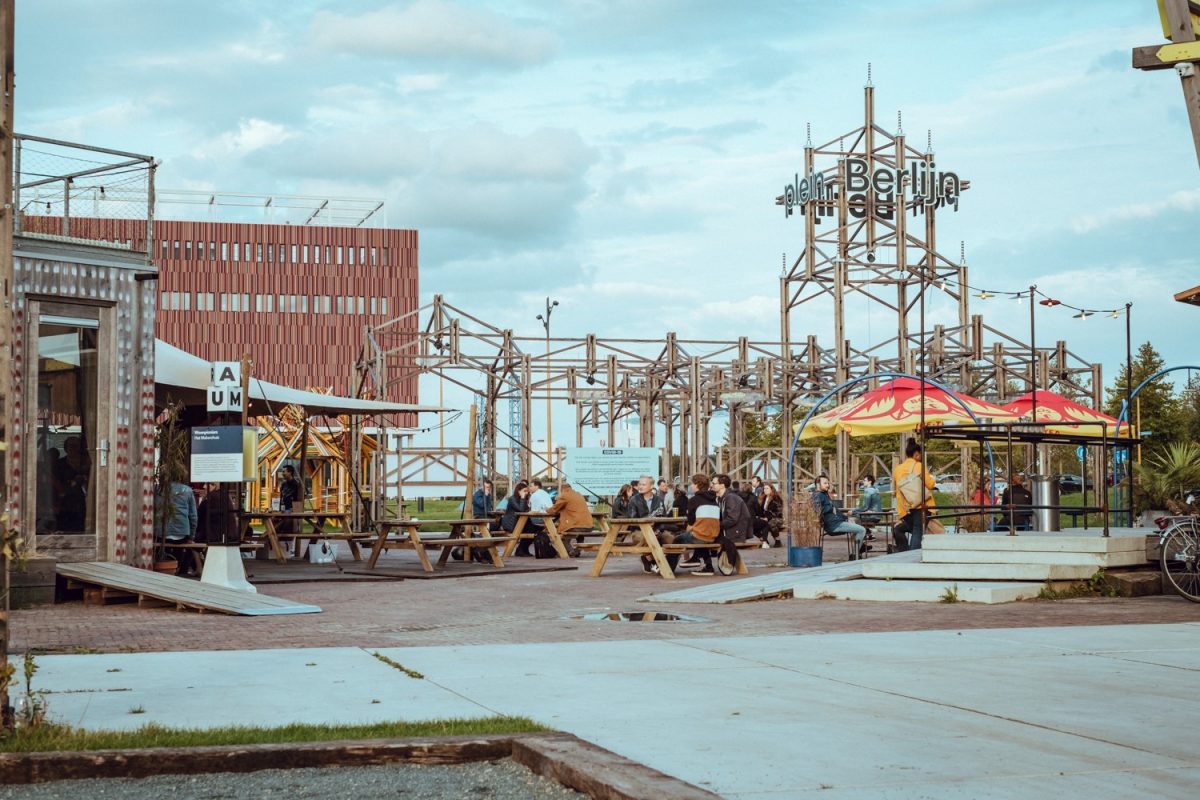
[[1045, 493]]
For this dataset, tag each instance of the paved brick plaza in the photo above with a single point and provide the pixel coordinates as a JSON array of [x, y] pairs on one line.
[[527, 607]]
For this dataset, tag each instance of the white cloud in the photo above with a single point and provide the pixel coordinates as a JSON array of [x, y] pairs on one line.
[[1184, 200], [436, 29], [425, 82], [251, 134]]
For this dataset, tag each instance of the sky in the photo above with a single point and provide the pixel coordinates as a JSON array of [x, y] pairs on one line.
[[623, 157]]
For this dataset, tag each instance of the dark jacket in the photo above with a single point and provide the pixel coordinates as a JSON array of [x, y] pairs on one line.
[[289, 492], [640, 509], [216, 518], [736, 522], [830, 518], [620, 507], [516, 505], [481, 504], [1021, 499], [772, 510]]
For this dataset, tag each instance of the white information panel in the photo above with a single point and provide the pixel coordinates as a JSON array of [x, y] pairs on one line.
[[602, 470]]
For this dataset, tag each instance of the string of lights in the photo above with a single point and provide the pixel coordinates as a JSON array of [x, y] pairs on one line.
[[1081, 312]]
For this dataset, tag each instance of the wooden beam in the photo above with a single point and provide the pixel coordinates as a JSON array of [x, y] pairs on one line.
[[1189, 296]]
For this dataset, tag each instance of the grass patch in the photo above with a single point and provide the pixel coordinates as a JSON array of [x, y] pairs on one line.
[[412, 673], [54, 737], [950, 595], [1096, 586]]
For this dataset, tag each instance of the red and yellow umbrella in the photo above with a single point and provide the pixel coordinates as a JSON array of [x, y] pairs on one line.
[[895, 407], [1075, 418]]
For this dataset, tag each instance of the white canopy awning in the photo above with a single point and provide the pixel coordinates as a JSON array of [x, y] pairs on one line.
[[186, 377]]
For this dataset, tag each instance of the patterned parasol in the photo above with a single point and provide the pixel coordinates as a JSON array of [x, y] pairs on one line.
[[1077, 419], [895, 407]]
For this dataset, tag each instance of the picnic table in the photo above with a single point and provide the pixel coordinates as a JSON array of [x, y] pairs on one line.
[[622, 527], [271, 529], [521, 531], [468, 534]]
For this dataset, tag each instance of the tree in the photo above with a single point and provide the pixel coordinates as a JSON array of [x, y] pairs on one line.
[[1160, 409], [1189, 408]]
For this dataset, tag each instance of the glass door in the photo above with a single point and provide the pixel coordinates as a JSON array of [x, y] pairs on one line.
[[66, 435]]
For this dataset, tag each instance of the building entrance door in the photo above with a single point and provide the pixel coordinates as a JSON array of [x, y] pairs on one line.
[[69, 441]]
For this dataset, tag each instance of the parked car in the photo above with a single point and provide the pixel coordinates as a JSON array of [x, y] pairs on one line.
[[1069, 484], [951, 484]]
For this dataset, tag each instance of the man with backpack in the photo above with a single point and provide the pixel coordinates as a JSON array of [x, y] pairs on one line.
[[913, 486]]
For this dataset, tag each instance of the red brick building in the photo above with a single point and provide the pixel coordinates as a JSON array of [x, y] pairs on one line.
[[296, 297]]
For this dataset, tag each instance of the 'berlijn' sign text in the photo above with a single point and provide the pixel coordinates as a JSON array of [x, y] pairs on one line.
[[921, 183]]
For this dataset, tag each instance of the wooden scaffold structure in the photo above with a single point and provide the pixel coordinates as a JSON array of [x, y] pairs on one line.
[[869, 203]]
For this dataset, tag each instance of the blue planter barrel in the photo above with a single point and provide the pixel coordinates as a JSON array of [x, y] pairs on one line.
[[804, 556]]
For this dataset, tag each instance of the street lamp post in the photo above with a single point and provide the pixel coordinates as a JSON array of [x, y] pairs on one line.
[[545, 320]]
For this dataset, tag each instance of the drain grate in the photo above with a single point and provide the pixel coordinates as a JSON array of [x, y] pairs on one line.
[[635, 616]]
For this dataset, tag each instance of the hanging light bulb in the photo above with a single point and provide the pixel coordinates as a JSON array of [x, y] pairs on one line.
[[984, 294], [1116, 314], [1050, 301], [1083, 315]]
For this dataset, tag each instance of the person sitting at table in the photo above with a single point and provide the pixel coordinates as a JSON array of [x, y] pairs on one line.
[[668, 496], [539, 500], [518, 502], [620, 503], [482, 500], [869, 501], [573, 516], [681, 501], [703, 527], [982, 496], [736, 522], [646, 502], [768, 515], [1016, 501]]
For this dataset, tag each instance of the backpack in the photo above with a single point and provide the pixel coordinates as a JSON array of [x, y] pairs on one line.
[[911, 486], [542, 548]]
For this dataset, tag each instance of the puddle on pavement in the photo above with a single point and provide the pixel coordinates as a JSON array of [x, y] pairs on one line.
[[635, 616]]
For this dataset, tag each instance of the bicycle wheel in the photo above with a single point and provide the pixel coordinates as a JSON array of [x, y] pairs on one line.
[[1180, 559]]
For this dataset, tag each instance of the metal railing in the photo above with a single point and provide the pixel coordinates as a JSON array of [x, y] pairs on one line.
[[69, 181]]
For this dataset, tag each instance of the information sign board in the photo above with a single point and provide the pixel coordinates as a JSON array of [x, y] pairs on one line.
[[602, 470]]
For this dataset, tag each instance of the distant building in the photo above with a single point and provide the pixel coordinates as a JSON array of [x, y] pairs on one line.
[[297, 298]]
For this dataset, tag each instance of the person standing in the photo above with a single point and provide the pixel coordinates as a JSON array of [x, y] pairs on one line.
[[291, 497], [177, 525], [913, 503]]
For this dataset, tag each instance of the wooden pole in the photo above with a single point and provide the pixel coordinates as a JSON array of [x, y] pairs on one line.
[[471, 457], [7, 11]]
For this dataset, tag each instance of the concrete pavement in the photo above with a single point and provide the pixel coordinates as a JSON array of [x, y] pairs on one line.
[[1099, 711]]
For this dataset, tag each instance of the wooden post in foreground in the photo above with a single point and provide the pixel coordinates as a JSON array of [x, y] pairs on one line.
[[7, 10]]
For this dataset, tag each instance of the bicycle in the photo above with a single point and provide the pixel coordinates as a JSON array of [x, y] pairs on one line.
[[1179, 555]]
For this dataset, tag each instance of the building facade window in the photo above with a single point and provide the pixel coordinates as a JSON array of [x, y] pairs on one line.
[[304, 254], [374, 256], [303, 304], [362, 305], [225, 251], [383, 305], [258, 254], [327, 261], [374, 302], [339, 255], [326, 302], [341, 305], [350, 255], [187, 301], [293, 254], [187, 249], [362, 256]]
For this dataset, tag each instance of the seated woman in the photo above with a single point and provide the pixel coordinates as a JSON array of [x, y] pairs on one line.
[[517, 503], [620, 504], [768, 515]]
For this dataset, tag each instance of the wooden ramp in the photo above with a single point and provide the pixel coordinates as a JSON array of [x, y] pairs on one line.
[[777, 583], [102, 583]]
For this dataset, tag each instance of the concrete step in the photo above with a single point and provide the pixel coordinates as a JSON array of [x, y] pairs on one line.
[[1094, 560], [922, 591], [1037, 542], [978, 572]]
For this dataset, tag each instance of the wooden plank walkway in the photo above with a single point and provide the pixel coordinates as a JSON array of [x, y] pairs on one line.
[[122, 582], [776, 583]]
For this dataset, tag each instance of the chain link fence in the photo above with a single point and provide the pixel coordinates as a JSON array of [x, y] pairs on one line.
[[65, 183]]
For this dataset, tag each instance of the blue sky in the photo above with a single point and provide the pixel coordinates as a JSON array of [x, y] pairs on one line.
[[623, 157]]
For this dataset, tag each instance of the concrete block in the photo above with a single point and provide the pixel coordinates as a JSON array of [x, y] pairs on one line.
[[1038, 542], [1095, 560], [1135, 583], [978, 572], [921, 591]]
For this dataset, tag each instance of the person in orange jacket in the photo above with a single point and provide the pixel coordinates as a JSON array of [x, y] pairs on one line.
[[914, 510]]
